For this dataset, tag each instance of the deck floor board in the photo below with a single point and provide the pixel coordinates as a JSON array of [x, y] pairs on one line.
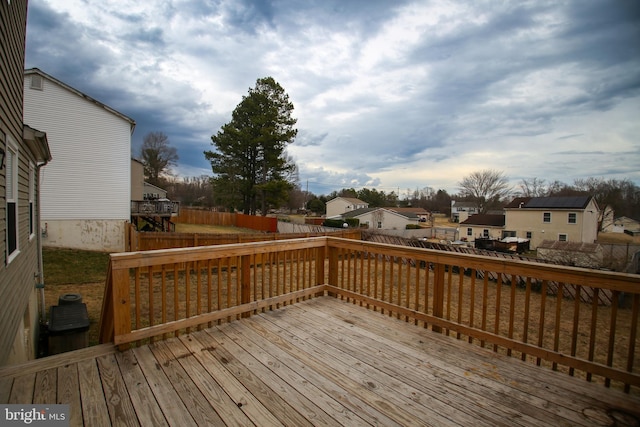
[[322, 361], [401, 365], [491, 370], [458, 378]]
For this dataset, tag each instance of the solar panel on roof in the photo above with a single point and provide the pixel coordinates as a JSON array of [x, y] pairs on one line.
[[574, 202]]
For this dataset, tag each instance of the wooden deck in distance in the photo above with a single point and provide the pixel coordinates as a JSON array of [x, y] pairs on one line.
[[319, 362]]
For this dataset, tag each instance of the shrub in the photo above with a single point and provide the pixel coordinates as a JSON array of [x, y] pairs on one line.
[[334, 223], [339, 223], [353, 222]]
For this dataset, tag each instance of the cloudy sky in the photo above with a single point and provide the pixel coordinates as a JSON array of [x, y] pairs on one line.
[[392, 95]]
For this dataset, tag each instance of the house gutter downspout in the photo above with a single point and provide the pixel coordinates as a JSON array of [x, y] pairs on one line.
[[40, 284], [39, 146]]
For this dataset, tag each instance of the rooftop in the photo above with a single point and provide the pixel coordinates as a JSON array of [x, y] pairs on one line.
[[569, 202], [485, 219]]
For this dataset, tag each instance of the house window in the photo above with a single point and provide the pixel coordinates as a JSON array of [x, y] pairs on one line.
[[379, 224], [485, 233], [11, 188], [469, 231], [562, 237], [546, 217], [573, 218], [529, 235], [32, 193]]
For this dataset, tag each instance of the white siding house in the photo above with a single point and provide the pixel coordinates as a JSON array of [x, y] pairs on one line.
[[152, 192], [382, 218], [86, 192], [460, 211], [341, 205]]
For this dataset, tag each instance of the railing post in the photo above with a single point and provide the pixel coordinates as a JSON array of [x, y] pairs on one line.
[[321, 254], [133, 238], [106, 317], [438, 294], [127, 237], [333, 267], [245, 281], [121, 304]]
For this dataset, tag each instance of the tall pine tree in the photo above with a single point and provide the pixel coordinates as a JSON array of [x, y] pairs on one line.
[[251, 168]]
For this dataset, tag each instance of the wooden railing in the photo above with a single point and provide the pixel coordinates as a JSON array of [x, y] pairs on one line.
[[156, 292], [152, 240], [154, 208], [506, 305]]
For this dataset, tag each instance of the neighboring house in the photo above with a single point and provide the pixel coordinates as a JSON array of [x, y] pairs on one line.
[[87, 190], [482, 226], [382, 218], [624, 224], [23, 151], [422, 214], [151, 192], [141, 190], [573, 219], [137, 179], [341, 205], [460, 211], [150, 208]]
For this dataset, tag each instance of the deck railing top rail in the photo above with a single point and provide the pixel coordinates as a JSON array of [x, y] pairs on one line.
[[622, 282], [125, 260]]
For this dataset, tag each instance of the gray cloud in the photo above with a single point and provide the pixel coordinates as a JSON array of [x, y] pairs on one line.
[[387, 94]]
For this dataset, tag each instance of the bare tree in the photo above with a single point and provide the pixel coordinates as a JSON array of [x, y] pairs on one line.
[[534, 187], [157, 156], [486, 188]]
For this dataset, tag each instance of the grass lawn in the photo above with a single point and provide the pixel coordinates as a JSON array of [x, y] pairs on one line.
[[618, 239]]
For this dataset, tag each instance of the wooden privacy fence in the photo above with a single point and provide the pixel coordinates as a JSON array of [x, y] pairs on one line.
[[155, 294], [200, 216], [227, 219]]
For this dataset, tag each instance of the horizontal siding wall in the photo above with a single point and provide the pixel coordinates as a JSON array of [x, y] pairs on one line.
[[20, 275], [17, 278], [89, 176]]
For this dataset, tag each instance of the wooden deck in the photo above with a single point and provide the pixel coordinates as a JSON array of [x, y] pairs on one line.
[[318, 362]]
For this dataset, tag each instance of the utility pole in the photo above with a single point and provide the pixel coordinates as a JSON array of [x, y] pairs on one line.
[[306, 194]]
